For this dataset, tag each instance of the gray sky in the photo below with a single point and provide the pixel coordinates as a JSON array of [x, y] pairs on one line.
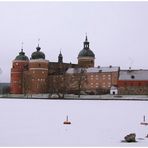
[[117, 31]]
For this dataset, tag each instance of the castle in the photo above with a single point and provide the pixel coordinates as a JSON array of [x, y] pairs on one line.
[[38, 75]]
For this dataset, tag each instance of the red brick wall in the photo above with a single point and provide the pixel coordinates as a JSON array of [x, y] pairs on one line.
[[17, 76], [125, 83], [133, 87], [95, 81], [38, 71]]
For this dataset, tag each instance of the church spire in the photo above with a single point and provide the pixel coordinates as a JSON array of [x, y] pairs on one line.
[[86, 38], [60, 58], [86, 43]]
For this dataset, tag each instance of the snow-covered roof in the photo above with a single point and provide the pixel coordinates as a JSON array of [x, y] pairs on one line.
[[113, 88], [133, 75], [93, 69]]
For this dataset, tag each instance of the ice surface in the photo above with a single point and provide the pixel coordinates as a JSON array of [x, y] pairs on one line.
[[94, 123]]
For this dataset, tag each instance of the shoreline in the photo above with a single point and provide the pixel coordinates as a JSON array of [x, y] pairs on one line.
[[82, 97]]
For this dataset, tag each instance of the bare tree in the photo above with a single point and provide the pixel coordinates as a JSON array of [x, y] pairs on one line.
[[79, 80], [27, 84]]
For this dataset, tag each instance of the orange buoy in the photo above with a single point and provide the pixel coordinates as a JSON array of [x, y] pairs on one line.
[[144, 123], [67, 122]]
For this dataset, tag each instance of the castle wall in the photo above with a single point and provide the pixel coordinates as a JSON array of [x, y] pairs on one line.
[[95, 82], [129, 87], [38, 75], [17, 70]]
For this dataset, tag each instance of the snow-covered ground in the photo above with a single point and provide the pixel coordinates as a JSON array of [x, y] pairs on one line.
[[29, 122]]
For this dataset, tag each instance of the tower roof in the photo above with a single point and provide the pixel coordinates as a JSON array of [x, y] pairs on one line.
[[60, 58], [38, 54], [21, 56], [60, 54], [86, 51]]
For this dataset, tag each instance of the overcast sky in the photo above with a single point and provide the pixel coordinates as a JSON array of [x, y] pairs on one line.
[[117, 32]]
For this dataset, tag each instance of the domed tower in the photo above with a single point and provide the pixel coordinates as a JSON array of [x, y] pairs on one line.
[[38, 70], [86, 57], [19, 66]]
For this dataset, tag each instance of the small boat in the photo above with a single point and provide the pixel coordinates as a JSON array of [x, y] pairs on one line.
[[144, 123], [67, 122]]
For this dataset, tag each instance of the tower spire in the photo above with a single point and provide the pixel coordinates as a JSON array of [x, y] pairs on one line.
[[22, 47], [86, 37], [60, 57], [38, 47], [38, 41], [86, 43]]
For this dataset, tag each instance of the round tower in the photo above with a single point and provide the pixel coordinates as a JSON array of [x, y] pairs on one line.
[[19, 66], [38, 71], [86, 57]]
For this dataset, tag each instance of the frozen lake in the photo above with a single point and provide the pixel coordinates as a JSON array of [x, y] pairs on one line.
[[94, 123]]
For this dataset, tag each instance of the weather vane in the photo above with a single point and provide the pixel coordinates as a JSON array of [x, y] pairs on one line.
[[22, 46], [38, 42]]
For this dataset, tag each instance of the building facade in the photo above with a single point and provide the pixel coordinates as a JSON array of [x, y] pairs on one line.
[[35, 75], [95, 80], [133, 82], [19, 67], [39, 75]]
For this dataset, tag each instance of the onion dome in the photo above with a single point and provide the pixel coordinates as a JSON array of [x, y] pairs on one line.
[[21, 56], [38, 54], [86, 52]]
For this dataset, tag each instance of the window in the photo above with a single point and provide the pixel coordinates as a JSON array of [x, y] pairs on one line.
[[132, 76]]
